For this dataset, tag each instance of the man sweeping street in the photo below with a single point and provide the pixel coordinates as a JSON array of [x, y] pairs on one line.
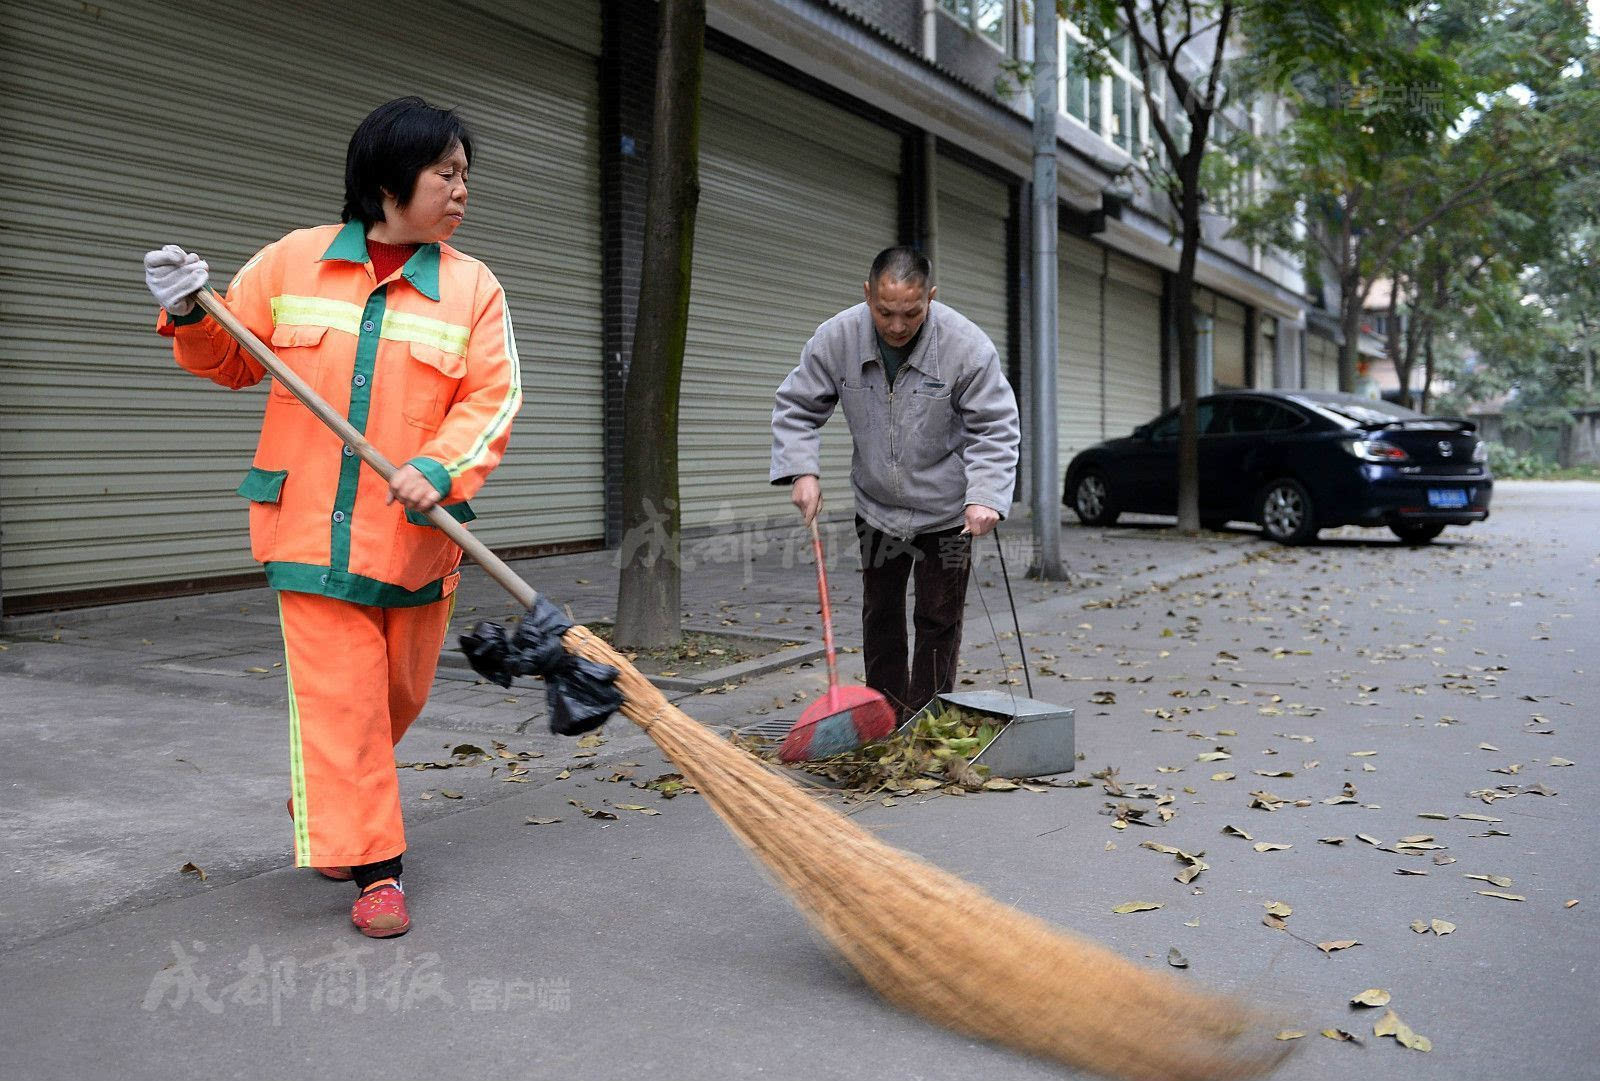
[[934, 429]]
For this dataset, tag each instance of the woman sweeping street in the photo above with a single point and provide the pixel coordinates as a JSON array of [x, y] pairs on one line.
[[411, 340]]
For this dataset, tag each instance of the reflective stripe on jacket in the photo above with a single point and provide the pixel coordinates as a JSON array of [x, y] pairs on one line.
[[423, 364]]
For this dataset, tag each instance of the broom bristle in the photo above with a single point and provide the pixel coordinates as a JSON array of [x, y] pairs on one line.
[[938, 946]]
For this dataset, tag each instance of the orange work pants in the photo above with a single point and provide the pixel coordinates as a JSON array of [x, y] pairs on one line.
[[358, 677]]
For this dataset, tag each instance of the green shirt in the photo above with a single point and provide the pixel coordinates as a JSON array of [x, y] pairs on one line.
[[894, 357]]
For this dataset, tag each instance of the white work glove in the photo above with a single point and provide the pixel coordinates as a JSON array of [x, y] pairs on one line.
[[174, 276]]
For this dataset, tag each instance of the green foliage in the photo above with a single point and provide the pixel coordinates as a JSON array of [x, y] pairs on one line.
[[1507, 463]]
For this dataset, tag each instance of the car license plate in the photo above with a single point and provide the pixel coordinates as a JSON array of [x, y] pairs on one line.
[[1445, 498]]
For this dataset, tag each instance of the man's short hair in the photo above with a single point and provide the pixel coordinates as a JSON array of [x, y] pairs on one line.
[[390, 147], [901, 264]]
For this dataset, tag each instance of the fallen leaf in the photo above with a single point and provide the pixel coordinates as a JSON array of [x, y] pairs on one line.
[[1441, 927], [1278, 908], [1502, 896], [593, 739], [1362, 754], [1103, 698], [1409, 871], [192, 869], [1487, 747], [1391, 1025], [1274, 922], [1337, 944], [1268, 846], [1000, 784], [1330, 840], [1339, 1034], [1419, 926], [1176, 959], [1273, 772], [1137, 906], [1367, 837], [1289, 1034], [1435, 816], [1372, 996], [1571, 904], [1479, 818], [447, 794], [1494, 880], [1196, 921], [1212, 756], [1558, 761], [1235, 831], [1222, 776], [541, 821], [466, 750]]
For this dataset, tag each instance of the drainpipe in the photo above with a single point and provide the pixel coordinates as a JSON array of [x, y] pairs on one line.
[[1044, 460]]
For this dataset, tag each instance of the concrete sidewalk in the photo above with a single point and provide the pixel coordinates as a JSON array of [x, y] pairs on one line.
[[1438, 682], [152, 735]]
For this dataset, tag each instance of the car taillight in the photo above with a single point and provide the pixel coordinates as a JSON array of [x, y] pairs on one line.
[[1480, 451], [1375, 450]]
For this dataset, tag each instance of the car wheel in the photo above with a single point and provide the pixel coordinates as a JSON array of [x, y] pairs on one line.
[[1091, 499], [1416, 532], [1286, 513]]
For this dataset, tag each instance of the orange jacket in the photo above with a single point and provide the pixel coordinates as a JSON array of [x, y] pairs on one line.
[[423, 364]]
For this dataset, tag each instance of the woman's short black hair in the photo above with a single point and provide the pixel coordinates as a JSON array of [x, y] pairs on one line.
[[391, 146]]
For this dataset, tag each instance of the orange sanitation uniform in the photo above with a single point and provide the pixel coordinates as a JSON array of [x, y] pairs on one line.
[[424, 365]]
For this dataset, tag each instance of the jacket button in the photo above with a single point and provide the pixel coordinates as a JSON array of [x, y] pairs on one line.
[[360, 380], [349, 450], [338, 516], [367, 326]]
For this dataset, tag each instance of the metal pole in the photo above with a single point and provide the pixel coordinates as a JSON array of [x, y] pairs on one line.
[[1045, 467]]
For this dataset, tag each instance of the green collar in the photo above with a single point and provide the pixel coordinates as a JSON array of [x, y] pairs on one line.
[[421, 270]]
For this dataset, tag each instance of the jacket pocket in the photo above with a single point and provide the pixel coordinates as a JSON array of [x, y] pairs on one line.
[[461, 512], [263, 488], [297, 346], [431, 383]]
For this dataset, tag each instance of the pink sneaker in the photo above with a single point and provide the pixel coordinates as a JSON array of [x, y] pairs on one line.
[[381, 912]]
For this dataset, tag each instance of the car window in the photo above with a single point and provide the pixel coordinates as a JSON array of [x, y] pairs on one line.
[[1167, 426], [1257, 415], [1359, 410]]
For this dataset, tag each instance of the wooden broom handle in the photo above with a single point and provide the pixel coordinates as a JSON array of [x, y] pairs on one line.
[[497, 568]]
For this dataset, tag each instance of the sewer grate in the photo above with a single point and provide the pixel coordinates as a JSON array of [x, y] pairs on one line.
[[773, 730]]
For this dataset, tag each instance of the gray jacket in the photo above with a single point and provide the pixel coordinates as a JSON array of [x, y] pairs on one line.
[[944, 436]]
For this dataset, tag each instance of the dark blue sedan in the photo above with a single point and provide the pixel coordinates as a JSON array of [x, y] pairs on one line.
[[1294, 462]]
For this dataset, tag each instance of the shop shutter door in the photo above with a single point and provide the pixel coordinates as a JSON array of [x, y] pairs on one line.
[[116, 469], [797, 196], [1133, 346], [974, 212], [1080, 392], [1228, 360]]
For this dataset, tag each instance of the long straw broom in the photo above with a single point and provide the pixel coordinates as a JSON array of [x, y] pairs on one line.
[[924, 939]]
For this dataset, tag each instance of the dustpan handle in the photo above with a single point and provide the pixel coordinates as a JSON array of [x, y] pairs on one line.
[[827, 610]]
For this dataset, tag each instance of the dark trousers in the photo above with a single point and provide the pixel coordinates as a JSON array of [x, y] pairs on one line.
[[937, 564]]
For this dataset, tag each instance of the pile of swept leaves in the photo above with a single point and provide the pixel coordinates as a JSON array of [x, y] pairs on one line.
[[934, 751]]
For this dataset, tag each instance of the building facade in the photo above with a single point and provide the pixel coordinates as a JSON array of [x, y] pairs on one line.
[[831, 129]]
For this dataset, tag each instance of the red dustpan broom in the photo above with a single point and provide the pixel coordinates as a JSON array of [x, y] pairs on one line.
[[845, 717]]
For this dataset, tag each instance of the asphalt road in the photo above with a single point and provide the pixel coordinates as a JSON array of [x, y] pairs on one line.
[[1388, 690]]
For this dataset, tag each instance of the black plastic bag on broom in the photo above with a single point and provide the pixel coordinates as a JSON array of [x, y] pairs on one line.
[[581, 693]]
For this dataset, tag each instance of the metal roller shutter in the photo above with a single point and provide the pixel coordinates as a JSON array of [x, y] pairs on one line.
[[796, 198], [973, 270], [1228, 357], [1322, 363], [1080, 390], [116, 469], [1133, 345]]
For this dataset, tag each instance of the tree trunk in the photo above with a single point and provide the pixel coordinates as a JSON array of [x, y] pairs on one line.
[[1188, 362], [1350, 321], [1427, 368], [649, 608]]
